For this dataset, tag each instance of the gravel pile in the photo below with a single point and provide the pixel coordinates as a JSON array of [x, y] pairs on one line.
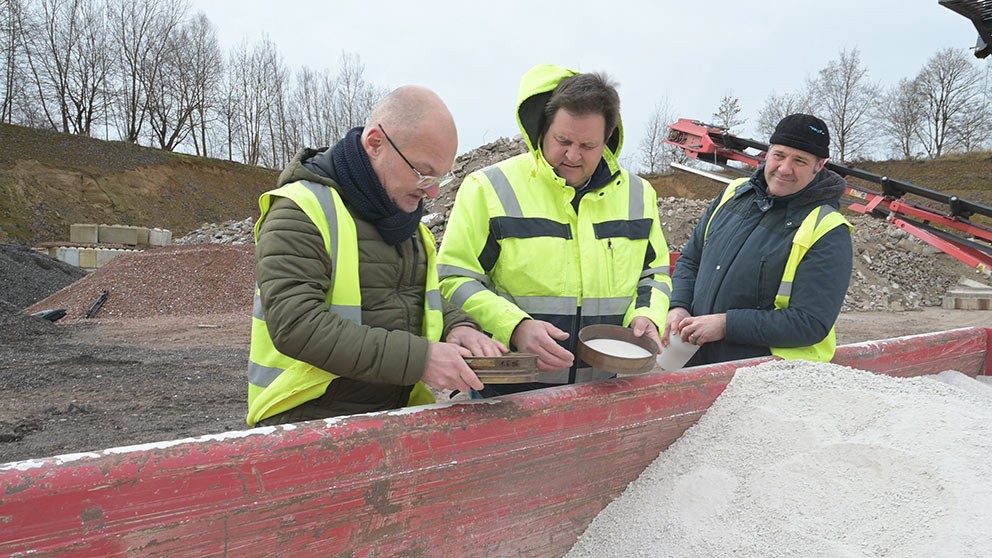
[[436, 211], [14, 324], [191, 280], [28, 276]]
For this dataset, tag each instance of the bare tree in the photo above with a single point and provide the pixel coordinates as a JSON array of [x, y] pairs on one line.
[[277, 119], [312, 102], [169, 95], [229, 109], [653, 143], [844, 97], [354, 97], [975, 127], [185, 78], [69, 58], [898, 117], [252, 82], [11, 44], [778, 107], [142, 31], [325, 107], [949, 90], [655, 154], [206, 75], [727, 115]]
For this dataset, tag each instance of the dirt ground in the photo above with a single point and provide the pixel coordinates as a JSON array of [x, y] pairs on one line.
[[91, 385]]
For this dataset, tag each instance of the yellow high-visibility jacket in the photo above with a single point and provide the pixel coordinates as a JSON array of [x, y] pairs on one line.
[[277, 382], [516, 248]]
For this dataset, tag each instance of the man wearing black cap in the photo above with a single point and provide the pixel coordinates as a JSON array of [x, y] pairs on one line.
[[767, 267]]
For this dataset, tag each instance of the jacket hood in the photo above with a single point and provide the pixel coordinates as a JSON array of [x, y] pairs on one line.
[[309, 164], [827, 186], [535, 90]]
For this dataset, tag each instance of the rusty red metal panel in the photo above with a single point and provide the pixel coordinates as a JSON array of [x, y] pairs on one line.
[[515, 475], [519, 476], [964, 350]]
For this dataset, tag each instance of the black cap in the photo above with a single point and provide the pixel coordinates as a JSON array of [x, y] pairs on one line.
[[804, 132]]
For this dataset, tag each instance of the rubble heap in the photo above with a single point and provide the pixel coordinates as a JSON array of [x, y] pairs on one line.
[[193, 280], [228, 232]]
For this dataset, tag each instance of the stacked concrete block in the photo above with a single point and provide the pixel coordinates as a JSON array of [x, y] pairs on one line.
[[88, 258], [82, 233], [118, 234], [159, 237], [92, 257], [968, 295], [68, 255]]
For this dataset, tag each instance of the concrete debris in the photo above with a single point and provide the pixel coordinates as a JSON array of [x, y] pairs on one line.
[[967, 294], [228, 232]]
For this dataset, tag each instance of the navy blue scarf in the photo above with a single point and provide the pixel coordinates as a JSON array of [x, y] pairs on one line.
[[360, 187]]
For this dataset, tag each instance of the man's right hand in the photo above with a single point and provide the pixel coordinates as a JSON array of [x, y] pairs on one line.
[[446, 368], [538, 337]]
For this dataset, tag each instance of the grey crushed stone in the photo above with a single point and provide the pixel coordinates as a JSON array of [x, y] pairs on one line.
[[28, 276]]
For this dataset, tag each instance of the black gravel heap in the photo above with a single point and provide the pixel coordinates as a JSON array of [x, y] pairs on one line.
[[27, 276]]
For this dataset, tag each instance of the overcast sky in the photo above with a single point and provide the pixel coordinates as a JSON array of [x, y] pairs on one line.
[[688, 53]]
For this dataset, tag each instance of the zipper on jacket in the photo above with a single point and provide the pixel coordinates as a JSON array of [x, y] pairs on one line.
[[413, 273], [413, 269], [761, 284], [610, 263]]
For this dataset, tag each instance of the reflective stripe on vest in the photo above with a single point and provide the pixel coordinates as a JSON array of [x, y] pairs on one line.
[[817, 223], [276, 382]]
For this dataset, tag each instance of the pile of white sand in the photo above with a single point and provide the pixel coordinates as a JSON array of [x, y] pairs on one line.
[[816, 460]]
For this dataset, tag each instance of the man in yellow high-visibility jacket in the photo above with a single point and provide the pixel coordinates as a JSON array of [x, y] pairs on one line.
[[347, 316], [767, 267], [560, 237]]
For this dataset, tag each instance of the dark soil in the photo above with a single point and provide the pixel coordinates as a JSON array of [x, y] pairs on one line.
[[164, 358], [83, 387]]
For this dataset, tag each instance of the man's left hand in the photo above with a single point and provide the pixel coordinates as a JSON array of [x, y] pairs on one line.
[[704, 329], [480, 344]]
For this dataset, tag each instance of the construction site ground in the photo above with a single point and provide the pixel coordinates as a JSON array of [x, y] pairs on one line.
[[164, 356], [105, 383]]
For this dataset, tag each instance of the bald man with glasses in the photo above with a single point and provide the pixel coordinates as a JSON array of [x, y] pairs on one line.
[[348, 317]]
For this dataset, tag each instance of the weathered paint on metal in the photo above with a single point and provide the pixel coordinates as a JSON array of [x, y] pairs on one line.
[[519, 476]]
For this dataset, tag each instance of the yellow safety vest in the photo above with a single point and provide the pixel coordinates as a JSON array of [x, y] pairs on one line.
[[550, 261], [276, 382], [515, 248], [817, 223]]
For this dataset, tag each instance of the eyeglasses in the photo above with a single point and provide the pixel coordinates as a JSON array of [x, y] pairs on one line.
[[424, 181]]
